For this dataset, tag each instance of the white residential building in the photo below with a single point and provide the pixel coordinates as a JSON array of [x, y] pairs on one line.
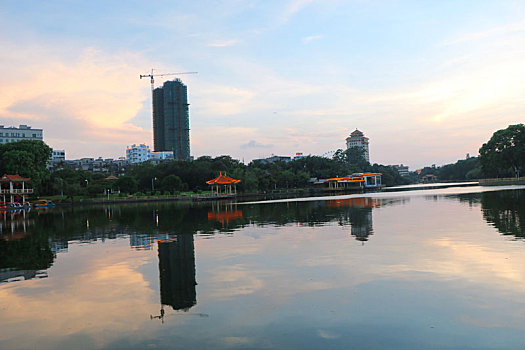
[[137, 153], [299, 155], [402, 169], [160, 155], [23, 132], [58, 155], [141, 153]]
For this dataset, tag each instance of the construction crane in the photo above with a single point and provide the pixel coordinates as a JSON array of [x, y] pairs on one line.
[[152, 75]]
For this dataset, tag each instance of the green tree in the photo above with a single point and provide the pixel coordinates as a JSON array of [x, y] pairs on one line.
[[353, 160], [127, 184], [17, 162], [27, 158], [171, 183], [460, 170], [504, 152]]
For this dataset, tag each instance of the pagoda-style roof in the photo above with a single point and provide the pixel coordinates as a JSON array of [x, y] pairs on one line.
[[111, 177], [223, 180], [14, 178], [357, 133]]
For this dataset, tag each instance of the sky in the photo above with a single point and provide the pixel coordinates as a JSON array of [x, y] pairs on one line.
[[426, 81]]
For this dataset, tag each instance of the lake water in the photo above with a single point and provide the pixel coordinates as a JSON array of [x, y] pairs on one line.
[[433, 269]]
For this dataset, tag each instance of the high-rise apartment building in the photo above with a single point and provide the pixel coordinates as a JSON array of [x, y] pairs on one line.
[[358, 139], [171, 119]]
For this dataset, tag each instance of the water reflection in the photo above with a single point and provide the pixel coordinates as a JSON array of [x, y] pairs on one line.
[[31, 241], [295, 275], [224, 212], [177, 272], [505, 210], [358, 214], [23, 255]]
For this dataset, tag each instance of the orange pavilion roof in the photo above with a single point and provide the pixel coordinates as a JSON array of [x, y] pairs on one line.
[[223, 180], [356, 178], [14, 178]]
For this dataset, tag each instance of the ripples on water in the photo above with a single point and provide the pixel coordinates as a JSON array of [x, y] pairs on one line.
[[430, 269]]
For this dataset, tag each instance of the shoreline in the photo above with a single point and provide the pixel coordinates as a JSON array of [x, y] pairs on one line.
[[247, 197]]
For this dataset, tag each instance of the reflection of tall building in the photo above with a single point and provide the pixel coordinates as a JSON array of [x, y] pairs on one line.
[[177, 272], [362, 224], [359, 214]]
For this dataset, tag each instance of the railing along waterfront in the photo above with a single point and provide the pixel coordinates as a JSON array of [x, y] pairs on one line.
[[17, 191], [502, 181]]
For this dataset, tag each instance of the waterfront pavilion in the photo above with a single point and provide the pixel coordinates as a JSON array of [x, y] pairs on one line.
[[225, 183], [14, 187], [355, 181]]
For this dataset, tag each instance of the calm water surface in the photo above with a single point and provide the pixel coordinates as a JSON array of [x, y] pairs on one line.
[[424, 270]]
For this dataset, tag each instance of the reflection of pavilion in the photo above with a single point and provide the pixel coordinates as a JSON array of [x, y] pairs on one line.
[[18, 247], [177, 272], [361, 202], [224, 212], [14, 225]]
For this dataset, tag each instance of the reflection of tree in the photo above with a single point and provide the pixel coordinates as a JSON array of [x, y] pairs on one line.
[[52, 231], [506, 211], [19, 248], [177, 272]]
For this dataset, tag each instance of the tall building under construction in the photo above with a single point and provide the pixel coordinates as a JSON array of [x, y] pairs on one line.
[[171, 119]]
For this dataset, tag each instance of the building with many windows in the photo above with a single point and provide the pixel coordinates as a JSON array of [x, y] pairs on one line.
[[141, 153], [358, 139], [58, 156], [23, 132], [171, 120], [402, 169], [137, 153]]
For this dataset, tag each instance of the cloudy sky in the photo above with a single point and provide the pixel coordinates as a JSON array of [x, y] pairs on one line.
[[426, 81]]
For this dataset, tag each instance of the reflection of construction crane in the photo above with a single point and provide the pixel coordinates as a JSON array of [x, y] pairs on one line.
[[152, 81]]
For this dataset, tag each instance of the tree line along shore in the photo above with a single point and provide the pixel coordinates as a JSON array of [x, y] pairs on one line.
[[503, 156]]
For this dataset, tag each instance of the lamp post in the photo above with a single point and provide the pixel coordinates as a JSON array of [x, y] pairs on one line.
[[61, 187]]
